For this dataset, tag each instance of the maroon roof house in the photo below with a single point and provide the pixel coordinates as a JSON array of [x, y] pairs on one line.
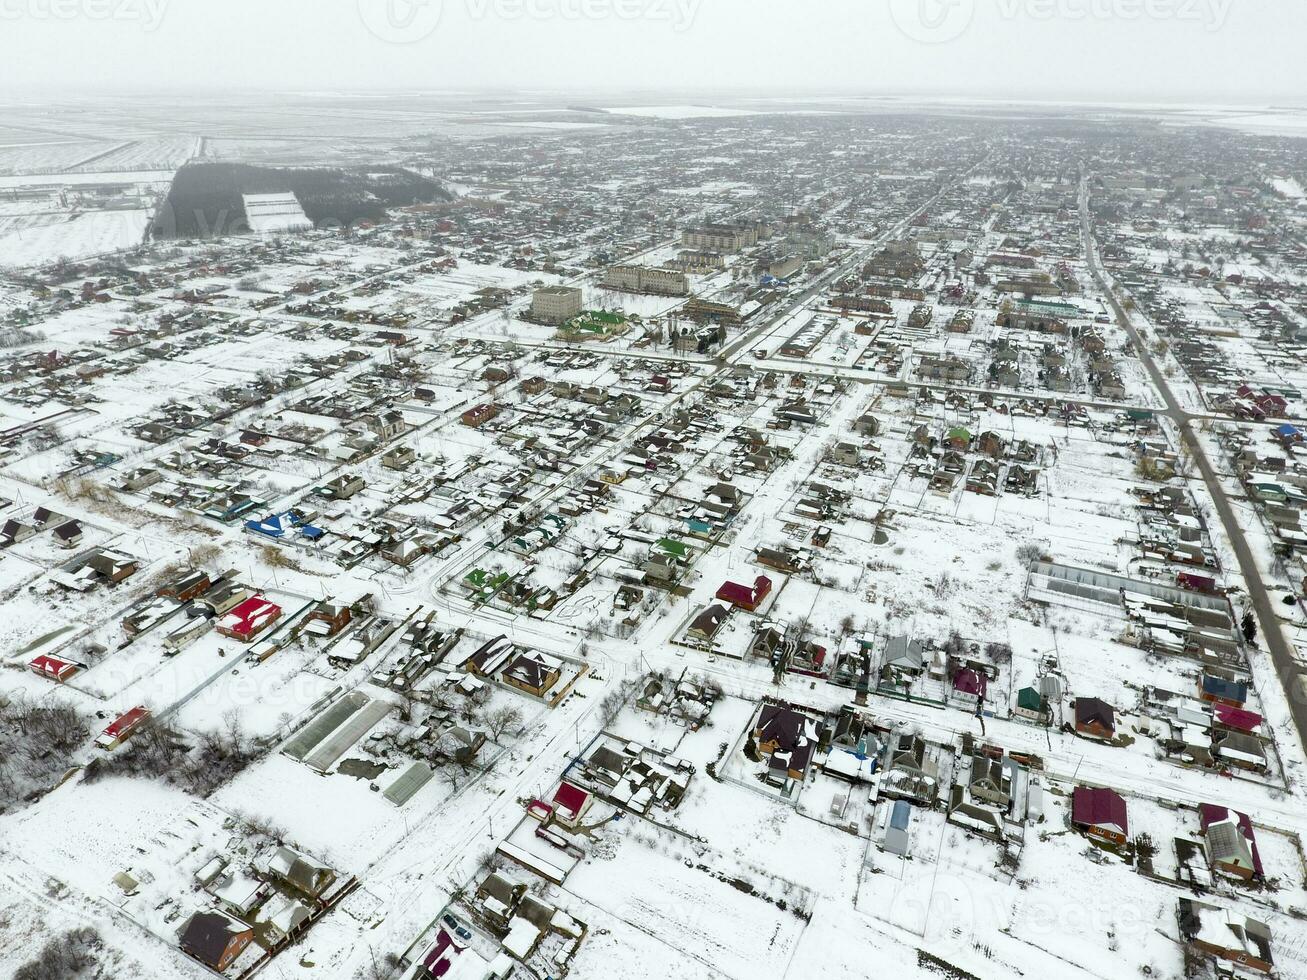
[[970, 684], [1101, 814], [744, 597]]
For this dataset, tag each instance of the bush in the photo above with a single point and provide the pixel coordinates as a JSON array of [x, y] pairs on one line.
[[72, 955], [1030, 552]]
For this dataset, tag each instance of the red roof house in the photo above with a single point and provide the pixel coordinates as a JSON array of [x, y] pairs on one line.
[[570, 803], [744, 597], [248, 619], [53, 668], [1100, 813], [122, 728]]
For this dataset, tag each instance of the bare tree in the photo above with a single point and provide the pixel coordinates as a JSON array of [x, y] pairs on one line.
[[474, 702], [502, 719], [408, 700]]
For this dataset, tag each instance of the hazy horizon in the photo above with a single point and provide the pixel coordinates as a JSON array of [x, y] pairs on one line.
[[1208, 52]]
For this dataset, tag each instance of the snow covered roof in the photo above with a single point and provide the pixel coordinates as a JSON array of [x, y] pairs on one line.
[[521, 938]]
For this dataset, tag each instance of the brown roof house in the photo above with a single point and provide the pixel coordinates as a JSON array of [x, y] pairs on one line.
[[533, 672], [707, 623], [788, 739], [1095, 719], [215, 938], [301, 873]]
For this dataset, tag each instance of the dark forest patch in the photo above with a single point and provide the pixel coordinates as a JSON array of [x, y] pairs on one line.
[[205, 198]]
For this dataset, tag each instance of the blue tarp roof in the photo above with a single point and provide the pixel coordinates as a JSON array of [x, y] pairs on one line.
[[279, 525], [1221, 688], [901, 815]]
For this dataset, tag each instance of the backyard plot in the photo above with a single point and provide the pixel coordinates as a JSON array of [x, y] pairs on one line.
[[659, 895]]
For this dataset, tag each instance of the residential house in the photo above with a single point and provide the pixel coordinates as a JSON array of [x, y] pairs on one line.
[[1021, 479], [782, 559], [533, 672], [479, 415], [958, 438], [867, 425], [489, 657], [991, 444], [385, 425], [301, 873], [970, 687], [1221, 688], [983, 477], [990, 781], [68, 534], [910, 773], [112, 566], [343, 487], [1032, 706], [122, 728], [903, 658], [249, 618], [707, 623], [1100, 814], [215, 938], [399, 458], [788, 739], [967, 813], [328, 618], [846, 454], [1230, 842], [570, 804], [1239, 749], [1095, 719], [190, 585], [1225, 935], [743, 596]]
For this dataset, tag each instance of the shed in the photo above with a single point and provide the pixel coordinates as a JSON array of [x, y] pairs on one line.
[[897, 838]]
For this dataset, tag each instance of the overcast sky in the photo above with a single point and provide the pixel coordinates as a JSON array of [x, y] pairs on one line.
[[1209, 51]]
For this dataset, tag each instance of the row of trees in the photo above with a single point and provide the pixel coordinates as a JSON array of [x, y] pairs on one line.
[[159, 751], [75, 954]]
